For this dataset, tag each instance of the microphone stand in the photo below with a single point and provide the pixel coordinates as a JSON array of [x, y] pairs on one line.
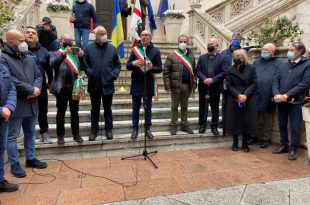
[[145, 153]]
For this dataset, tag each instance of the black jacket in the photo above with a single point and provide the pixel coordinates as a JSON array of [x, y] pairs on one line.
[[25, 76], [137, 75], [61, 69], [103, 67], [83, 13], [46, 37], [42, 58], [241, 120], [202, 68], [293, 80], [265, 72]]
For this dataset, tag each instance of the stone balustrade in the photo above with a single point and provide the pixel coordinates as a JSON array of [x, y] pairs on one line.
[[26, 13], [203, 27]]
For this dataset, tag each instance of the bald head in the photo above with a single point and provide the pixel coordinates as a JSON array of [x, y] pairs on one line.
[[14, 38], [66, 40], [268, 50], [101, 35], [146, 37]]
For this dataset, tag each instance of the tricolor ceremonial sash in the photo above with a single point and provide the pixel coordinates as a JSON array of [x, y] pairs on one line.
[[140, 55], [78, 92], [186, 62]]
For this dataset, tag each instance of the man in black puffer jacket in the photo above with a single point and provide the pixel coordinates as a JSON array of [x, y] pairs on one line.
[[83, 12], [136, 65], [289, 87]]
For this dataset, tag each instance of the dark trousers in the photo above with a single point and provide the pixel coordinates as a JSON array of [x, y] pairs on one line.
[[224, 108], [294, 113], [96, 98], [42, 116], [214, 101], [62, 99], [136, 104]]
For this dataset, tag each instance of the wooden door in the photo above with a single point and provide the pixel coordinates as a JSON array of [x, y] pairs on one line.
[[104, 12]]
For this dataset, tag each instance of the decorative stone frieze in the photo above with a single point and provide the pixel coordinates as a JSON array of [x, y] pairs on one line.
[[241, 6], [195, 4]]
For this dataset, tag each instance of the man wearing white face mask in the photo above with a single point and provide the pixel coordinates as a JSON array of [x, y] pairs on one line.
[[103, 69], [28, 81], [180, 80]]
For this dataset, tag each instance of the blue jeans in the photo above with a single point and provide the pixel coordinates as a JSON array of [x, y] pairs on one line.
[[52, 46], [293, 112], [28, 124], [84, 33], [3, 137]]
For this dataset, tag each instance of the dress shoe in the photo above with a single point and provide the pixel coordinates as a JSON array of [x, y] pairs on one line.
[[109, 134], [187, 129], [215, 131], [5, 186], [281, 149], [293, 155], [235, 143], [173, 129], [92, 137], [202, 129], [264, 144], [78, 138], [245, 145], [61, 140], [149, 134], [35, 163], [17, 171], [134, 134]]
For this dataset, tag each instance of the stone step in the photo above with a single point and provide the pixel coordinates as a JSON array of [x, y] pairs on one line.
[[122, 144], [123, 127], [163, 102], [123, 114]]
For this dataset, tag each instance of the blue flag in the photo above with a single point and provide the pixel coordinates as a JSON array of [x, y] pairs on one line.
[[151, 17], [163, 6], [117, 30]]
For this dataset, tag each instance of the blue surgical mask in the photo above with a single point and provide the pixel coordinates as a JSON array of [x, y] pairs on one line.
[[290, 55], [265, 56], [235, 43]]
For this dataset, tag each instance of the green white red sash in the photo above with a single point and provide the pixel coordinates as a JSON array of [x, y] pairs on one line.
[[184, 59], [140, 55], [186, 62], [78, 92]]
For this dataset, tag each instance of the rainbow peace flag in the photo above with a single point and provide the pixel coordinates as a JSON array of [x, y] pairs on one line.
[[117, 30]]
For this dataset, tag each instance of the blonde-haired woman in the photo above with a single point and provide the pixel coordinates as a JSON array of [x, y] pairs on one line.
[[241, 113]]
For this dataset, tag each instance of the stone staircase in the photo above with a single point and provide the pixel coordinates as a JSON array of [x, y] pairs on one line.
[[121, 109]]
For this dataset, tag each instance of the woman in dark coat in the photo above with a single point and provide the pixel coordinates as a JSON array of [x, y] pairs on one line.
[[241, 113]]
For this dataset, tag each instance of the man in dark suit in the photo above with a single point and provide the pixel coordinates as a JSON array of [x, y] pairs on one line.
[[211, 72], [138, 90]]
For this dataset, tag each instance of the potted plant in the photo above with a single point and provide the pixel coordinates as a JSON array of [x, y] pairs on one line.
[[59, 11], [173, 21], [276, 31]]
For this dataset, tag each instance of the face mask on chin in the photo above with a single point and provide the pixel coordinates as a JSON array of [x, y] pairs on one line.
[[81, 1], [23, 47]]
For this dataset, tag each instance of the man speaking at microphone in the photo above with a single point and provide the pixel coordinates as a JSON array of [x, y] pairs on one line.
[[144, 54]]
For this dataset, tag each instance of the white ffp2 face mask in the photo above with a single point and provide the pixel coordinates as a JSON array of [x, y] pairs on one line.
[[104, 39], [182, 46], [23, 47]]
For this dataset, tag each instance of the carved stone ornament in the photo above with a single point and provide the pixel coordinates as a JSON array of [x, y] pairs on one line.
[[218, 15], [195, 4], [241, 6], [200, 28]]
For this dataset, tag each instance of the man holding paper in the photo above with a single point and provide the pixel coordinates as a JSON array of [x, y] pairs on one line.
[[153, 64]]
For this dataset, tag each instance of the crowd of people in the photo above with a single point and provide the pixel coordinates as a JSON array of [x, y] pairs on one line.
[[34, 62]]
